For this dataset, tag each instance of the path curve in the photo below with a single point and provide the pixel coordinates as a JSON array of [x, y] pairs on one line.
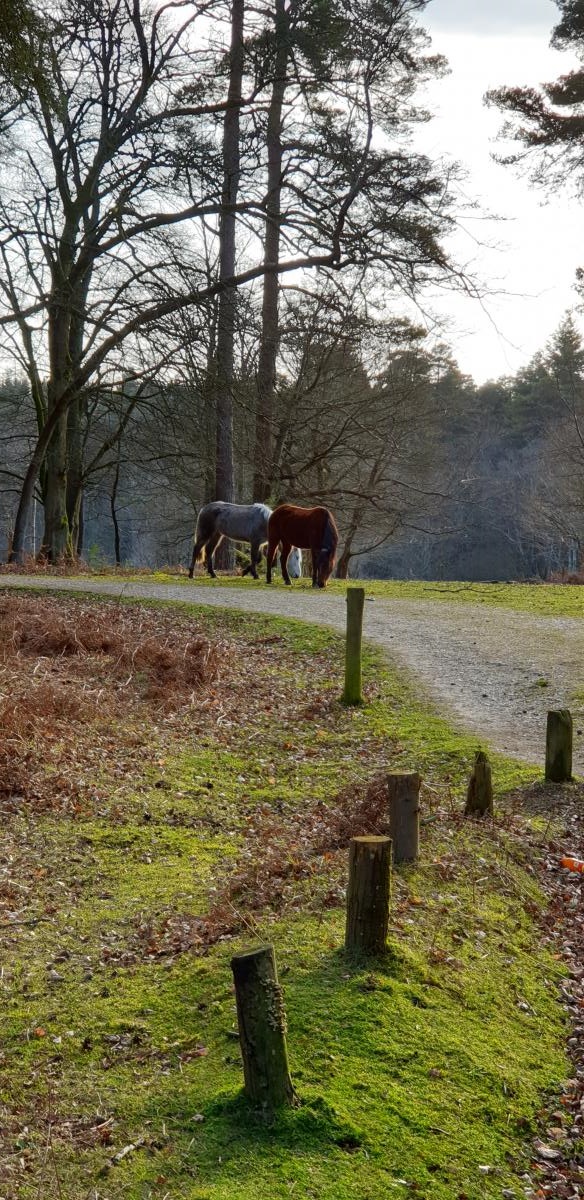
[[492, 671]]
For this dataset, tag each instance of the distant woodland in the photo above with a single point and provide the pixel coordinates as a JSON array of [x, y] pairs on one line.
[[431, 476]]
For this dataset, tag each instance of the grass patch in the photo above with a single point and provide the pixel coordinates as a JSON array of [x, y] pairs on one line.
[[420, 1074], [538, 599]]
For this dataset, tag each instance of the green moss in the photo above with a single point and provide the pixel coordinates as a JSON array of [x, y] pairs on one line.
[[411, 1072], [422, 1067]]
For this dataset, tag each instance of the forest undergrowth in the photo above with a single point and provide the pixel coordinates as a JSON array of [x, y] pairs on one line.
[[175, 784]]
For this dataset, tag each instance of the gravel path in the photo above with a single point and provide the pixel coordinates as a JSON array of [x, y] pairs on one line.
[[492, 671]]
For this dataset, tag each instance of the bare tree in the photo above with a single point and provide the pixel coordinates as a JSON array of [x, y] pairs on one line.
[[103, 225]]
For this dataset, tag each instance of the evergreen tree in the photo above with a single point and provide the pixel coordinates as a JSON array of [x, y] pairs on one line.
[[548, 122]]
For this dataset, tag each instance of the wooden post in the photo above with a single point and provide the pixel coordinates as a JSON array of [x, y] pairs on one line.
[[262, 1029], [558, 746], [368, 894], [403, 793], [355, 603], [479, 794]]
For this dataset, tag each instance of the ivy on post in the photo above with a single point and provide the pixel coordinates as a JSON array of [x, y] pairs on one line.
[[262, 1029], [353, 684], [368, 894], [558, 746]]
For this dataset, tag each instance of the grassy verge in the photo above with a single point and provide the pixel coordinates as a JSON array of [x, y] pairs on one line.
[[419, 1075], [538, 599]]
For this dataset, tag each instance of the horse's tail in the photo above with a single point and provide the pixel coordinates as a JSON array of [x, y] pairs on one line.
[[203, 531]]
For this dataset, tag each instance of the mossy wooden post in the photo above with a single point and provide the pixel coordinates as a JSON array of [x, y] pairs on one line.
[[558, 746], [403, 793], [355, 604], [262, 1029], [479, 794], [368, 894]]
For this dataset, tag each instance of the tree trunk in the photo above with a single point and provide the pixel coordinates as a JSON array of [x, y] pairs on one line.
[[262, 1029], [76, 416], [224, 483], [368, 894], [227, 298], [113, 510], [37, 463], [66, 321], [75, 471], [355, 523], [80, 527], [269, 340], [342, 571], [55, 542]]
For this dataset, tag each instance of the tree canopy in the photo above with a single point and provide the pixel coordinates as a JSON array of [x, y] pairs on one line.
[[115, 193], [548, 122]]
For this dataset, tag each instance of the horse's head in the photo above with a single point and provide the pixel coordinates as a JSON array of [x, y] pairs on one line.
[[324, 567], [328, 550], [295, 563]]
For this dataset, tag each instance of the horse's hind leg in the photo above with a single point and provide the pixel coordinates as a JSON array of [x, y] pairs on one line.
[[286, 548], [210, 550], [198, 549], [256, 554]]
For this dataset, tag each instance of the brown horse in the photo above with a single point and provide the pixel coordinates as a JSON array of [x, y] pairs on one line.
[[312, 529]]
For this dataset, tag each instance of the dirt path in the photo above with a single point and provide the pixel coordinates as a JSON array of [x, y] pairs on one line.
[[492, 671]]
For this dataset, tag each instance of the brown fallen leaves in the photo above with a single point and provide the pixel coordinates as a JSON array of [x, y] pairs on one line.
[[128, 645], [289, 861], [556, 1167], [66, 666]]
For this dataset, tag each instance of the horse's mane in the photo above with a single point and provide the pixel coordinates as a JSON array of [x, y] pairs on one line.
[[263, 508], [330, 536]]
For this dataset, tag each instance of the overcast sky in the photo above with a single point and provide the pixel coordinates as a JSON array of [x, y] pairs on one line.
[[492, 16], [529, 256]]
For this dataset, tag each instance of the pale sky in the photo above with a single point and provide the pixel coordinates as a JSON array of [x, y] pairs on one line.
[[529, 257]]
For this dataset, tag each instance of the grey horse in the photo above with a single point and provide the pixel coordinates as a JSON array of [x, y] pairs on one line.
[[241, 523]]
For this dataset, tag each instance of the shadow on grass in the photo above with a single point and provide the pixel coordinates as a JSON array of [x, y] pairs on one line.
[[310, 1125], [544, 799], [389, 1066]]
